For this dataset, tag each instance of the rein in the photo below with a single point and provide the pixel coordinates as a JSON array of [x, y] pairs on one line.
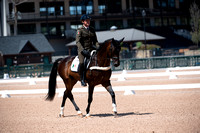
[[96, 67]]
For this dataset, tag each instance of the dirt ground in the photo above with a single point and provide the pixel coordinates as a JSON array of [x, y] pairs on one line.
[[146, 111]]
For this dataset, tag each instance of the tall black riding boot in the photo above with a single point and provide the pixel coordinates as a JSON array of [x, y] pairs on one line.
[[82, 74]]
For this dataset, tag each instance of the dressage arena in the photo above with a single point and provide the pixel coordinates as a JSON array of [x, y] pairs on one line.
[[160, 100]]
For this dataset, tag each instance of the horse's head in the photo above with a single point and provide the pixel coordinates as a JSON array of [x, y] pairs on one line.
[[114, 50]]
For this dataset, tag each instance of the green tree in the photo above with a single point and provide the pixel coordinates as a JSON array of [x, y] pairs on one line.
[[195, 23]]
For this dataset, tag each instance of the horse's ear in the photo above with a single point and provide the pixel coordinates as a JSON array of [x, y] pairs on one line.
[[121, 41], [113, 40]]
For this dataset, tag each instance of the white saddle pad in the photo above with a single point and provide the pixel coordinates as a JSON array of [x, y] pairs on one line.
[[75, 64]]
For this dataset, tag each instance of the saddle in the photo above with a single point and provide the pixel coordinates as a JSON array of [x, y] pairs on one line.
[[87, 61]]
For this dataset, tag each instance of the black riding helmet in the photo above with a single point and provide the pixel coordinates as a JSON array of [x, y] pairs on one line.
[[84, 17]]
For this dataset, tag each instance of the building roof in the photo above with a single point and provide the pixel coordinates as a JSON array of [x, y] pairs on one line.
[[129, 34], [15, 44]]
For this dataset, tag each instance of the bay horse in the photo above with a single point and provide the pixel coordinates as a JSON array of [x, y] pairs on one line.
[[101, 74]]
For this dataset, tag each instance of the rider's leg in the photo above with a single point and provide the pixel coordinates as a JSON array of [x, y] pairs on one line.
[[82, 69], [82, 74]]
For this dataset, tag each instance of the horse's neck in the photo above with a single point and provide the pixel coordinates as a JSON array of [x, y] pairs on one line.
[[102, 58]]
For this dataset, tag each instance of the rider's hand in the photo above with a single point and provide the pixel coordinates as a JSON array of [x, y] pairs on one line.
[[85, 53]]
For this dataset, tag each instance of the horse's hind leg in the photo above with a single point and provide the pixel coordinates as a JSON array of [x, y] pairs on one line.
[[68, 94], [108, 87], [63, 104]]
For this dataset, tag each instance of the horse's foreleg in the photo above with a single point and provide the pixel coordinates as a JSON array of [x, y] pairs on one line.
[[90, 98], [112, 93], [70, 95]]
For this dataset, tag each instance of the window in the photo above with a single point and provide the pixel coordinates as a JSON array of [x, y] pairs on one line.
[[89, 9], [165, 21], [130, 23], [101, 6], [184, 5], [10, 8], [26, 7], [159, 3], [72, 10], [147, 22], [110, 6], [12, 29], [102, 9], [53, 29], [183, 21], [172, 21], [165, 4], [171, 3], [140, 3], [51, 8], [75, 25], [78, 24], [81, 7], [127, 6], [104, 25], [51, 11], [61, 10], [26, 28], [114, 6], [138, 22], [157, 22]]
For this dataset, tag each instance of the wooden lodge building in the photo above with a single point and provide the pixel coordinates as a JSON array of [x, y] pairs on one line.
[[25, 49]]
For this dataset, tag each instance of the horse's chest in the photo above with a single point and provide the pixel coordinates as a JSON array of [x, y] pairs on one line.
[[99, 76]]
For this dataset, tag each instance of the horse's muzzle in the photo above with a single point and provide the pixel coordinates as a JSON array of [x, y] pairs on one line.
[[116, 62]]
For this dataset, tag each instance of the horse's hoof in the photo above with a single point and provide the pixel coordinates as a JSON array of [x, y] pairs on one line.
[[115, 114], [61, 116], [80, 115], [88, 116]]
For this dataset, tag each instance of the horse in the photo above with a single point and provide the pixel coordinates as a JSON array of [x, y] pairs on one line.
[[99, 74]]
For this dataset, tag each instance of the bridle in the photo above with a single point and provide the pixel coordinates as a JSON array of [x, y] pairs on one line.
[[111, 53]]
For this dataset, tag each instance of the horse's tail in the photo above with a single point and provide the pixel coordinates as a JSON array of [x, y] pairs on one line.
[[52, 81]]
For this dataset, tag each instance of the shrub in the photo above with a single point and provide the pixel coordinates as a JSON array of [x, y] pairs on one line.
[[149, 47]]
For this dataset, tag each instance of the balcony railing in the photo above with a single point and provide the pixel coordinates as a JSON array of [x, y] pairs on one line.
[[73, 15]]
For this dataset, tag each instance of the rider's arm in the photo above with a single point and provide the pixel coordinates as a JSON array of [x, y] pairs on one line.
[[78, 40]]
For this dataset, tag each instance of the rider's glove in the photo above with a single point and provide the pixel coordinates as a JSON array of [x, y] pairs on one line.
[[85, 53]]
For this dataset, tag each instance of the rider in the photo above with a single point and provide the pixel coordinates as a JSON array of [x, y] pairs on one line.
[[86, 41]]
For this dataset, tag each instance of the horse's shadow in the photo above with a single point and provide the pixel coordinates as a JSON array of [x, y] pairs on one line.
[[111, 115], [120, 114]]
